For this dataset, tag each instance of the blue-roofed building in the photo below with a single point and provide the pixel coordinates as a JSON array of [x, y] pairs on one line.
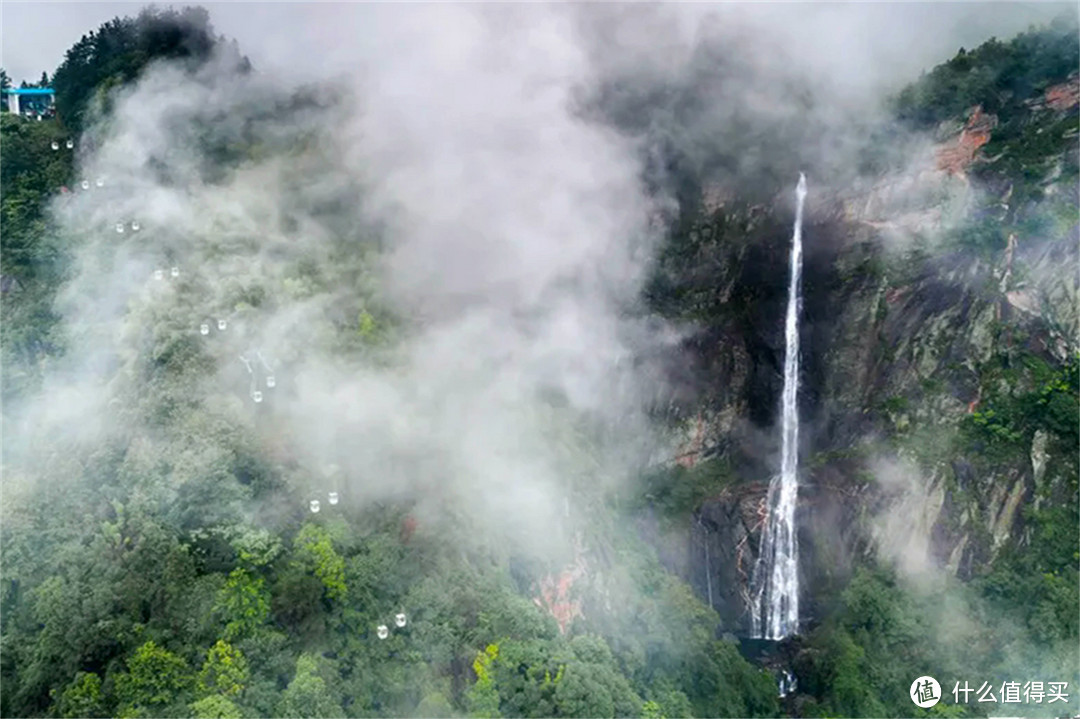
[[31, 101]]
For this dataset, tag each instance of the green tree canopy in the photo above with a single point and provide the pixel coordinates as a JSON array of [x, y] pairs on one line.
[[307, 694], [117, 52]]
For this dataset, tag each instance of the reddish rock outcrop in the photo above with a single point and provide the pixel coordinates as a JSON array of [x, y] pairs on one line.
[[555, 593], [956, 156], [1059, 98], [895, 294], [408, 527], [1064, 96]]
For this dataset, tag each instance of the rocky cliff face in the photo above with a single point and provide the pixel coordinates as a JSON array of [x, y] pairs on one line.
[[908, 325]]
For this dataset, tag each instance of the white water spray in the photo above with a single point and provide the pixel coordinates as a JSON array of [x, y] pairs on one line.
[[775, 612]]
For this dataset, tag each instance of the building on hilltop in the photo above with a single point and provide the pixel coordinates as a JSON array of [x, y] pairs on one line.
[[31, 102]]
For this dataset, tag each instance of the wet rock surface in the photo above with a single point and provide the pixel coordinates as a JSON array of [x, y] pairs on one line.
[[889, 343]]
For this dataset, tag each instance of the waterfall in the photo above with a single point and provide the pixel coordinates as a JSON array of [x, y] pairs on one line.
[[775, 610]]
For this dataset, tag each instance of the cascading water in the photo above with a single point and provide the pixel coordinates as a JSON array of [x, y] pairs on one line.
[[775, 610]]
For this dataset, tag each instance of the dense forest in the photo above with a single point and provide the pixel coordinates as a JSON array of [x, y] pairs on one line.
[[172, 545]]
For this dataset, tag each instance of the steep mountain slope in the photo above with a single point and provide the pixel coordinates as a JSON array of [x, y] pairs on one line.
[[940, 342], [345, 542]]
